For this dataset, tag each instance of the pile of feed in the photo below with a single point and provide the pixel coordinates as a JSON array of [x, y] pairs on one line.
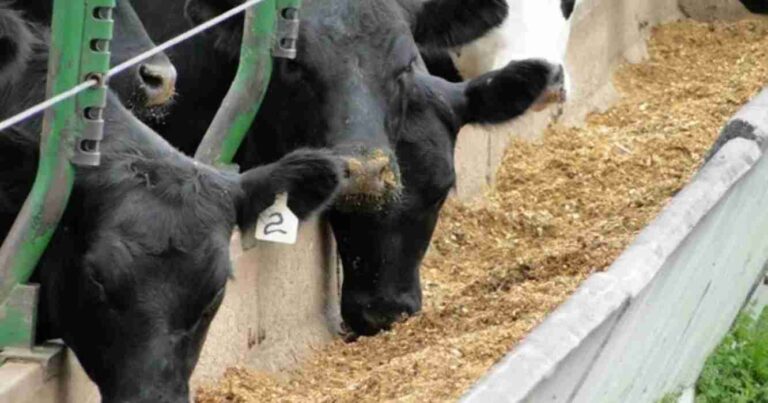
[[563, 207]]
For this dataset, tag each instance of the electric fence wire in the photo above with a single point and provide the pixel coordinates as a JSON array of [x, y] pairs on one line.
[[32, 111]]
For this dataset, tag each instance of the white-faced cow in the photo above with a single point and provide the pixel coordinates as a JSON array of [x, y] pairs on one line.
[[531, 29], [146, 88], [138, 265], [360, 86]]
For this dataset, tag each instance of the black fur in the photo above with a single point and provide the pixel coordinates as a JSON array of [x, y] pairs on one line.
[[756, 6], [450, 23], [311, 178], [228, 34], [138, 265], [15, 43], [567, 6], [439, 63], [488, 95], [358, 85]]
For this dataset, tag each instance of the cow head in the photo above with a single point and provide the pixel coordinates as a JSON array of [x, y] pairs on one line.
[[532, 29], [359, 85], [152, 231], [152, 275], [146, 88]]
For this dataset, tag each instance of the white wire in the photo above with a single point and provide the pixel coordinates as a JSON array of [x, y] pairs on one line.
[[28, 113], [183, 37]]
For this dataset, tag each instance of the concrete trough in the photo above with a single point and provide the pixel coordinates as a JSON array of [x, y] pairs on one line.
[[283, 301], [645, 326]]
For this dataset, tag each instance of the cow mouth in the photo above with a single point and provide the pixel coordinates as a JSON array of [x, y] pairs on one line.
[[347, 334], [361, 202], [350, 336], [139, 104], [551, 96]]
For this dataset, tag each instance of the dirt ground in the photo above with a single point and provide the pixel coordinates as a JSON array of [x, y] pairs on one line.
[[562, 208]]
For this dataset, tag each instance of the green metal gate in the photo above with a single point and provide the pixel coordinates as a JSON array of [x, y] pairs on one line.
[[80, 35]]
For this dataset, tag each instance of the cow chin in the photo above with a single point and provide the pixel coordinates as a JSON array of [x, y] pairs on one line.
[[139, 105]]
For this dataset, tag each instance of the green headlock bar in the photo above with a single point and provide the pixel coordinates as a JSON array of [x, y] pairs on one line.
[[271, 29], [71, 131]]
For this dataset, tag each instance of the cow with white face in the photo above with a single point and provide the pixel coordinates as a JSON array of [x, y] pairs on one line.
[[532, 29]]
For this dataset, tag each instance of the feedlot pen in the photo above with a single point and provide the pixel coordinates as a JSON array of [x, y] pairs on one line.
[[562, 208]]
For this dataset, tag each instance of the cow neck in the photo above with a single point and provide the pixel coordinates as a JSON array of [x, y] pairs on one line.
[[126, 136], [130, 148]]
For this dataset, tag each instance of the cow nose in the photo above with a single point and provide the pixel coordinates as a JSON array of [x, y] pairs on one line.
[[556, 90], [373, 181], [558, 76], [370, 176], [158, 81]]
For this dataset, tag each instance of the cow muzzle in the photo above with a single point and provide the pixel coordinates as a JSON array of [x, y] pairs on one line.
[[158, 83], [374, 181], [556, 91]]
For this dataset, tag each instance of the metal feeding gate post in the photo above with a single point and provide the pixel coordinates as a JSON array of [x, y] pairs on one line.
[[271, 29], [72, 129]]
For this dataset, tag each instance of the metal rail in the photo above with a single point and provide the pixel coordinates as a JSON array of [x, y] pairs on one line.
[[76, 25], [270, 29], [51, 101]]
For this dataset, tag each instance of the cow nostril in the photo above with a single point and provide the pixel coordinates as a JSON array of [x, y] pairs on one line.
[[559, 75], [151, 77], [158, 83]]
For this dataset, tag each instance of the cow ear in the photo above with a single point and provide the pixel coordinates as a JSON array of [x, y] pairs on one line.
[[505, 94], [229, 34], [450, 23], [16, 42], [312, 178]]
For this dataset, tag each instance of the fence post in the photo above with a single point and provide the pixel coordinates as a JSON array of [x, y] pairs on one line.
[[270, 29], [71, 130]]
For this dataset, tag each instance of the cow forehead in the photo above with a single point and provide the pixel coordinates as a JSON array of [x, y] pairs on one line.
[[341, 23]]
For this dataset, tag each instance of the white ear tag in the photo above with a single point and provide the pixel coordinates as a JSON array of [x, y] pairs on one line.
[[278, 223]]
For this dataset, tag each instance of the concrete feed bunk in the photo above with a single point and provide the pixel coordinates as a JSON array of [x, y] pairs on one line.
[[645, 327], [272, 320]]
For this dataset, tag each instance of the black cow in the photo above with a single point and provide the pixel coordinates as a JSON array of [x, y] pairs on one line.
[[138, 265], [360, 86], [756, 6], [146, 88]]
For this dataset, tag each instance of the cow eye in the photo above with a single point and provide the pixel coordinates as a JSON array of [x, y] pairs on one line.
[[97, 288], [407, 69]]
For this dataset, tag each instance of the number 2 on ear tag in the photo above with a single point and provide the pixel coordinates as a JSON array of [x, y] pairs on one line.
[[278, 223]]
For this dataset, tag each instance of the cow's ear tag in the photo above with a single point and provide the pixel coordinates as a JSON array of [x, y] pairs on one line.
[[278, 223]]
